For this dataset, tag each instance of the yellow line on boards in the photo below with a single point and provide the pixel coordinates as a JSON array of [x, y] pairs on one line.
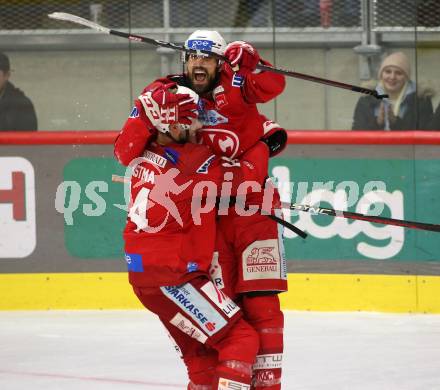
[[67, 291], [314, 292]]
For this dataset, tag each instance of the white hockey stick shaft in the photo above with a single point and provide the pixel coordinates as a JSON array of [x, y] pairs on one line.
[[78, 20], [120, 179], [133, 37]]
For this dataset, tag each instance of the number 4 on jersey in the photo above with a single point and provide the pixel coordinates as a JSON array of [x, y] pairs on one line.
[[138, 212]]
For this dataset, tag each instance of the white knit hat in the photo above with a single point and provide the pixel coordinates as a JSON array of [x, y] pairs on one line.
[[399, 60]]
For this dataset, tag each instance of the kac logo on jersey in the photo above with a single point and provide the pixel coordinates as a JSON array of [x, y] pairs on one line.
[[134, 113], [222, 141], [237, 80]]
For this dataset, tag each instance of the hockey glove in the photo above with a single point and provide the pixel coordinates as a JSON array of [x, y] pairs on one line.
[[274, 137], [242, 56], [164, 107]]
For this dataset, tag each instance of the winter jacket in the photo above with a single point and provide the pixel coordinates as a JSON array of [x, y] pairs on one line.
[[435, 122], [415, 111], [16, 110]]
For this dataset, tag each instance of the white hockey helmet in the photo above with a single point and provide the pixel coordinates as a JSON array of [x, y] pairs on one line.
[[207, 40]]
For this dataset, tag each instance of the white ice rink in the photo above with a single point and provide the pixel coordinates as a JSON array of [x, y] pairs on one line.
[[128, 350]]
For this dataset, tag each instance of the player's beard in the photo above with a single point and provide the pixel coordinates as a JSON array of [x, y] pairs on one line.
[[206, 86]]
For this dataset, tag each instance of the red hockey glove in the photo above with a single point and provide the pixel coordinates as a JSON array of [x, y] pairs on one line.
[[274, 137], [164, 107], [242, 56]]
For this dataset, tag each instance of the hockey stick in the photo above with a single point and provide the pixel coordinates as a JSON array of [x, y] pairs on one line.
[[120, 179], [288, 225], [138, 38], [342, 214], [361, 217], [320, 80]]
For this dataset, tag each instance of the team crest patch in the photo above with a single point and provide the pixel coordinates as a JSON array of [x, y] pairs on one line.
[[222, 141]]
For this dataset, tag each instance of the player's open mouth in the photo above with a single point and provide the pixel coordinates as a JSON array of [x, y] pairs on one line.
[[200, 75]]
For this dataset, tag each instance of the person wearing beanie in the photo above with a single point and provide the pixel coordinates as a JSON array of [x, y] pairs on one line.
[[406, 107], [16, 109]]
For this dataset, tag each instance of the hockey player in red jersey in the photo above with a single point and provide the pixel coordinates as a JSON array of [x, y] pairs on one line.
[[250, 250], [169, 241]]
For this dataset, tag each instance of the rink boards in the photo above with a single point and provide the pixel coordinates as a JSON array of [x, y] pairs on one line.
[[62, 216], [314, 292]]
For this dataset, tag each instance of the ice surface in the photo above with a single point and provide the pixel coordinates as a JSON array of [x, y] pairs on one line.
[[129, 350]]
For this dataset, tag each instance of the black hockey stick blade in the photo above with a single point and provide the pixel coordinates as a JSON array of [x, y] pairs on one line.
[[287, 225]]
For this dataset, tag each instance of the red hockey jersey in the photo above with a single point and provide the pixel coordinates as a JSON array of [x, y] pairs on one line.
[[230, 117], [170, 232]]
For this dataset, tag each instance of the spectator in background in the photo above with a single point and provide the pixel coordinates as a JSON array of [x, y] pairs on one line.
[[326, 10], [435, 121], [406, 109], [251, 13], [428, 12], [16, 110]]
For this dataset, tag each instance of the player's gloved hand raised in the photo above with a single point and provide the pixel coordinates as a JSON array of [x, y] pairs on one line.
[[163, 106], [275, 137], [242, 56]]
